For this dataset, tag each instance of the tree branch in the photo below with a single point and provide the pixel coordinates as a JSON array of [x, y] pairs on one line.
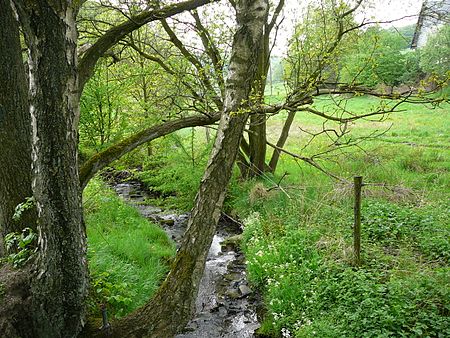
[[115, 34], [305, 159], [105, 157], [194, 61], [211, 50]]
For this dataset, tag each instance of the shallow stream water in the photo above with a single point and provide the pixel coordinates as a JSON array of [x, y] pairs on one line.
[[225, 305]]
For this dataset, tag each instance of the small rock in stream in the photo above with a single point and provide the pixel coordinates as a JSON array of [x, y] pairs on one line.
[[245, 290], [167, 221], [233, 294]]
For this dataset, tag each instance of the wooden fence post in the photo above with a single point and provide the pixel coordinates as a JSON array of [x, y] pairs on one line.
[[357, 225]]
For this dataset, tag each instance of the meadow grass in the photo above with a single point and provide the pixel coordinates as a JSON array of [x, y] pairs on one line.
[[127, 254], [298, 241]]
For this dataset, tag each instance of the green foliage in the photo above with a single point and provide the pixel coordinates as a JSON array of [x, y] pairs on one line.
[[393, 226], [435, 57], [22, 207], [105, 289], [127, 254], [176, 175], [20, 247], [412, 72], [317, 45], [377, 58], [389, 224], [103, 107], [311, 290]]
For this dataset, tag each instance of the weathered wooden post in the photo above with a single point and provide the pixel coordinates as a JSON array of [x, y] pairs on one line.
[[357, 225]]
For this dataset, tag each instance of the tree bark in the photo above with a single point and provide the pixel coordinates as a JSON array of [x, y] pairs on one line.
[[15, 128], [105, 157], [171, 308], [257, 127], [60, 277], [258, 134]]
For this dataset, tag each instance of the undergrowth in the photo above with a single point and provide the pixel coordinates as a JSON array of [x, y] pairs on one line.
[[176, 175], [127, 254], [298, 230], [299, 253]]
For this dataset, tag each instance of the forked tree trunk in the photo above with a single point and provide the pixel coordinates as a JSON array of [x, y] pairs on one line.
[[61, 280], [257, 136], [173, 305], [15, 127]]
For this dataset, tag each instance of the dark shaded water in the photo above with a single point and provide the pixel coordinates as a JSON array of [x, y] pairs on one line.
[[225, 305]]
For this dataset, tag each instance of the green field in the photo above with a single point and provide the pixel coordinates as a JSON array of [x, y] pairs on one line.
[[298, 240]]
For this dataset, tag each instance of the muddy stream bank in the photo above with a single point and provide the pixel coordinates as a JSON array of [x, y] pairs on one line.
[[225, 305]]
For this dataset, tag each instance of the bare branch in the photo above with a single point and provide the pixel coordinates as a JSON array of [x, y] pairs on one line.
[[211, 50], [275, 15], [307, 160], [194, 61]]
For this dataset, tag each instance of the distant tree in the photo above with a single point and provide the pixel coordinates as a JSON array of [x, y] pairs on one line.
[[377, 59], [435, 55], [102, 106]]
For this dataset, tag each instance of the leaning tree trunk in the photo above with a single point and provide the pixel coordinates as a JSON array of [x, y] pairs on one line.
[[173, 305], [281, 141], [15, 127], [60, 282]]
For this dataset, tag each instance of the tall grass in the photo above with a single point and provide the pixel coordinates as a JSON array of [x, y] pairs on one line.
[[127, 254]]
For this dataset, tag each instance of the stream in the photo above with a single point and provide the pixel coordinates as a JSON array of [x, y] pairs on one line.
[[225, 305]]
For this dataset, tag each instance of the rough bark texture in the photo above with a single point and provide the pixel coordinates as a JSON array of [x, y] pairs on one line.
[[15, 303], [257, 127], [60, 273], [15, 134], [170, 309], [105, 157]]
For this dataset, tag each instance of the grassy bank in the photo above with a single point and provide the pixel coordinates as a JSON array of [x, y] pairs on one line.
[[127, 253], [299, 254], [298, 233]]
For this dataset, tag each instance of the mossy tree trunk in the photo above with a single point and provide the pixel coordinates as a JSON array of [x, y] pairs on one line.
[[173, 305], [15, 127], [257, 137]]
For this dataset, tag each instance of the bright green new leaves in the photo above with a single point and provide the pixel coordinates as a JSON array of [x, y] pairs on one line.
[[318, 43], [379, 57]]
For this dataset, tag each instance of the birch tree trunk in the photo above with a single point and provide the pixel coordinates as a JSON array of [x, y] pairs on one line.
[[173, 305], [60, 277]]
